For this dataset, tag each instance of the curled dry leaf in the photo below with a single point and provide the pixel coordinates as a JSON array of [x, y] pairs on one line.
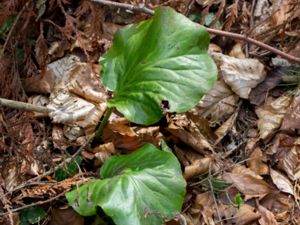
[[126, 137], [187, 132], [197, 167], [225, 127], [281, 182], [271, 114], [103, 152], [237, 51], [242, 75], [77, 97], [267, 217], [218, 104]]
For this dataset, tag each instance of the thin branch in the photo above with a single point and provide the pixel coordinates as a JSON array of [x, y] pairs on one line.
[[34, 204], [255, 42], [82, 147], [210, 30], [130, 7], [23, 106]]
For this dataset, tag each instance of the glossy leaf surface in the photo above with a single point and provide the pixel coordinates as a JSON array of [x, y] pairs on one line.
[[141, 188], [158, 65]]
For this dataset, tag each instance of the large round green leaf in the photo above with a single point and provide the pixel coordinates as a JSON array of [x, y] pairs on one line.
[[142, 188], [161, 60]]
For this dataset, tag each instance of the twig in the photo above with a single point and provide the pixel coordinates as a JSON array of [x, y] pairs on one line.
[[53, 169], [130, 7], [256, 42], [213, 194], [34, 204], [6, 205], [23, 106], [210, 30]]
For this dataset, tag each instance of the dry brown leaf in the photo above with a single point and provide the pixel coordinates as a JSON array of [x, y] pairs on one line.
[[257, 162], [241, 169], [260, 93], [103, 152], [246, 214], [197, 167], [248, 185], [59, 140], [39, 100], [218, 104], [281, 182], [279, 203], [271, 114], [281, 11], [267, 217], [242, 75], [237, 51], [203, 208], [226, 126], [290, 163], [126, 137], [291, 120], [77, 97], [227, 212], [187, 132]]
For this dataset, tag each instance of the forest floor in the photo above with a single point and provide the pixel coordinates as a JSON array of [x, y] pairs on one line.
[[238, 148]]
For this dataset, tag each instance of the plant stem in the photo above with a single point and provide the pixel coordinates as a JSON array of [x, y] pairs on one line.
[[103, 123]]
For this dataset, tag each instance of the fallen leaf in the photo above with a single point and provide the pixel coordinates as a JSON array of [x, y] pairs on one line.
[[281, 182], [248, 185], [226, 126], [188, 133], [203, 208], [103, 152], [197, 167], [260, 93], [242, 75], [291, 120], [257, 162], [290, 163], [218, 104], [267, 217], [246, 214], [279, 203], [237, 51], [127, 137], [271, 114]]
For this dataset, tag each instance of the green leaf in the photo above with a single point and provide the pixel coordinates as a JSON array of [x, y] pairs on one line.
[[141, 188], [161, 60], [238, 200], [32, 215], [71, 169], [7, 25]]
